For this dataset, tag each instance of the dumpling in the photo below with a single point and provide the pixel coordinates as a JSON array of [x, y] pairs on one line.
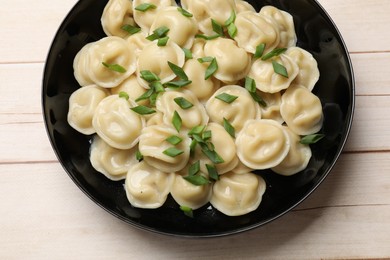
[[308, 74], [155, 119], [243, 6], [297, 158], [267, 80], [155, 58], [301, 110], [116, 123], [111, 162], [191, 117], [137, 42], [285, 23], [272, 108], [205, 10], [117, 13], [233, 62], [132, 88], [238, 112], [82, 105], [145, 18], [202, 88], [111, 50], [254, 29], [182, 29], [238, 194], [241, 168], [153, 143], [147, 187], [262, 144], [80, 66], [188, 194]]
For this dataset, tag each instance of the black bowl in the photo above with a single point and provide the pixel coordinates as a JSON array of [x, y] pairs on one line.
[[316, 33]]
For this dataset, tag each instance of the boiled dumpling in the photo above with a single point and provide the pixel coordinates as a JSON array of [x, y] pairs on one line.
[[153, 142], [146, 186], [243, 6], [116, 14], [301, 110], [272, 108], [80, 66], [132, 88], [155, 119], [238, 194], [233, 112], [262, 144], [82, 105], [137, 42], [116, 123], [111, 162], [297, 158]]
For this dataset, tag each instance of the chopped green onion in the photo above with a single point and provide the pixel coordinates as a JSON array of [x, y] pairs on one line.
[[194, 168], [198, 138], [183, 103], [157, 86], [311, 139], [197, 180], [232, 30], [143, 110], [178, 71], [174, 139], [114, 67], [273, 53], [162, 41], [206, 37], [206, 135], [187, 53], [173, 152], [256, 97], [130, 29], [229, 128], [225, 97], [184, 12], [153, 99], [197, 130], [146, 95], [149, 76], [187, 211], [124, 95], [212, 155], [177, 83], [213, 173], [250, 84], [231, 18], [259, 50], [158, 33], [145, 7], [193, 145], [176, 121], [211, 69], [206, 59], [217, 27], [139, 156], [279, 69]]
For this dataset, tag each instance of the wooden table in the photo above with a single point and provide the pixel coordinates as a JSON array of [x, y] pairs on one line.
[[44, 215]]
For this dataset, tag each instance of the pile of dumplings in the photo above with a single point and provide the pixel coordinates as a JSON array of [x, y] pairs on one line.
[[260, 129]]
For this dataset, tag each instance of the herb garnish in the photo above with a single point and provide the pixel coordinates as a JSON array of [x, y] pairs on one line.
[[145, 7], [311, 139], [114, 67]]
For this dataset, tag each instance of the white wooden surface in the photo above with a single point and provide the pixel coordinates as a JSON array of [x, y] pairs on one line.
[[43, 215]]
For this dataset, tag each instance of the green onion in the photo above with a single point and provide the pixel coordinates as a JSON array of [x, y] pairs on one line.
[[212, 155], [206, 135], [206, 59], [149, 76], [187, 211], [178, 71], [187, 53], [130, 29], [143, 110], [250, 84], [158, 33], [279, 69], [197, 130], [153, 99], [256, 97], [183, 103], [176, 121], [229, 128], [273, 53], [232, 30], [162, 41], [144, 7], [139, 156], [193, 145], [198, 138], [197, 180], [184, 12], [114, 67], [145, 96], [173, 152], [212, 170], [177, 83], [225, 97], [124, 95], [231, 18], [259, 50], [157, 86], [211, 69], [217, 27], [194, 168], [311, 139], [206, 37], [174, 139]]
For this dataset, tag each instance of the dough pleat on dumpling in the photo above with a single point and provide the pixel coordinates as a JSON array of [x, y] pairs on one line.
[[116, 14]]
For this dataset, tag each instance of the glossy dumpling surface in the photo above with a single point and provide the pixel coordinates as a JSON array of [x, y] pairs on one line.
[[301, 110], [146, 186], [116, 14], [262, 144], [238, 194], [82, 105], [116, 123]]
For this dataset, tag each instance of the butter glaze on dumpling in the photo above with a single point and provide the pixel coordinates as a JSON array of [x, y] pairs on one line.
[[301, 110], [116, 14], [238, 194], [262, 144], [82, 105], [147, 187], [116, 123]]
